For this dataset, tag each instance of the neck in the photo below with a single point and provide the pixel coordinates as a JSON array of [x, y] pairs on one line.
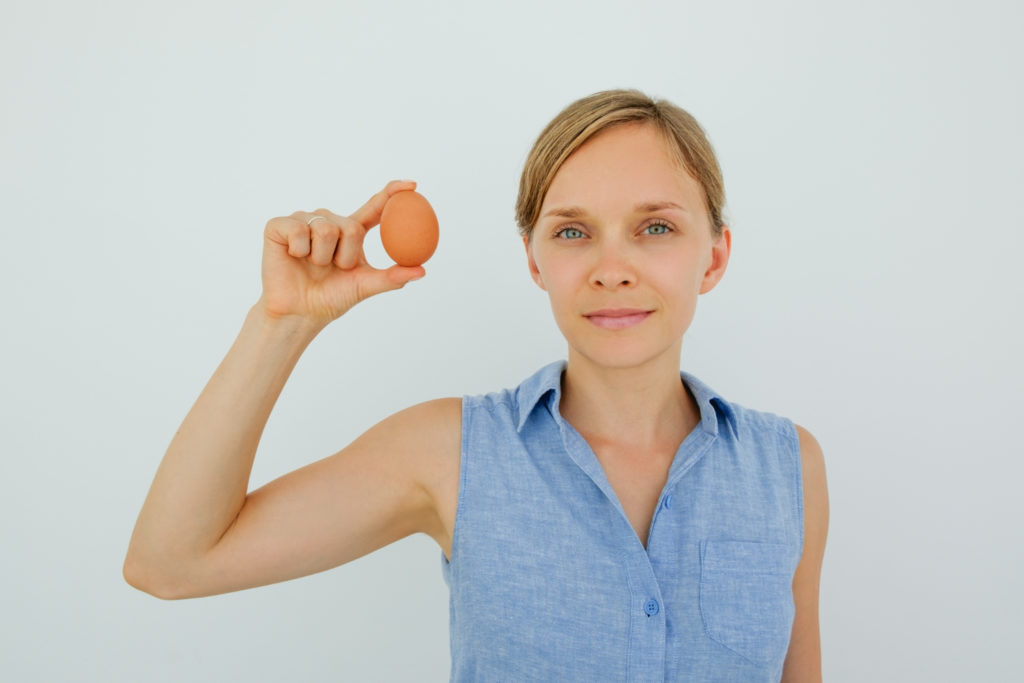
[[643, 406]]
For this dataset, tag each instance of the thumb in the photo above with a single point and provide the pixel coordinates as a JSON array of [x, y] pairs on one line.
[[391, 278]]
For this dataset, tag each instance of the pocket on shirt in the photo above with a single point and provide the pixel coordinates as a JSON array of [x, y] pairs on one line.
[[746, 597]]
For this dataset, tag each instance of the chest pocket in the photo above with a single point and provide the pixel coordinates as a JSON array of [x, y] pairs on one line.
[[746, 597]]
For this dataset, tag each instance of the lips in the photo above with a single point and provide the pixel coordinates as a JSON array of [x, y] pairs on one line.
[[617, 318], [616, 312]]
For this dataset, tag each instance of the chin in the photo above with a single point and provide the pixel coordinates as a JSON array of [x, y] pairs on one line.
[[621, 354]]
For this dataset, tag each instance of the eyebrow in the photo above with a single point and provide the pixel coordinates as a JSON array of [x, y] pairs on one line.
[[642, 207]]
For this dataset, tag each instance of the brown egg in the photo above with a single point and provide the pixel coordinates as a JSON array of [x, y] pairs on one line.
[[408, 228]]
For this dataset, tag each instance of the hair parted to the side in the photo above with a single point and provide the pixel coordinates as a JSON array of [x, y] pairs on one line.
[[589, 115]]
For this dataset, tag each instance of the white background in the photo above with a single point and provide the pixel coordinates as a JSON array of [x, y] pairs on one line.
[[872, 159]]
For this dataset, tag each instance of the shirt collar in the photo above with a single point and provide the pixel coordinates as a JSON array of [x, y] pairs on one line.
[[547, 383]]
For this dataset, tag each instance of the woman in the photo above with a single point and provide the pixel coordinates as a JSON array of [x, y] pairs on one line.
[[611, 518]]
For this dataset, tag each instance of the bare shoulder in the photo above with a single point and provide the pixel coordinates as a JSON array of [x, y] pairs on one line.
[[425, 433], [812, 461], [438, 420], [427, 437], [429, 434]]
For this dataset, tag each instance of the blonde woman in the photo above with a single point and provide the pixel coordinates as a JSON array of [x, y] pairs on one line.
[[610, 518]]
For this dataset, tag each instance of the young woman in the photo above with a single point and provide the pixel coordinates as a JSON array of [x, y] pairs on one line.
[[611, 518]]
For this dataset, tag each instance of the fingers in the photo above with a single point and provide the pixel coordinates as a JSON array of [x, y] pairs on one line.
[[323, 238], [333, 237], [350, 251], [290, 232]]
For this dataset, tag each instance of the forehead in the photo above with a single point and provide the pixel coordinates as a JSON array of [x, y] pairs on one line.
[[620, 165]]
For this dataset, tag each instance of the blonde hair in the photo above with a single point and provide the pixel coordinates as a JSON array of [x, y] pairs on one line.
[[589, 115]]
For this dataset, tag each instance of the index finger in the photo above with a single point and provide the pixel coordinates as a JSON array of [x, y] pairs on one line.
[[369, 213]]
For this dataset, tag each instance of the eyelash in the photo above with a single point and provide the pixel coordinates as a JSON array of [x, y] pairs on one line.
[[657, 221]]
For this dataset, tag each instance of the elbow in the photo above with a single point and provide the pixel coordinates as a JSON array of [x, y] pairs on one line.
[[138, 576]]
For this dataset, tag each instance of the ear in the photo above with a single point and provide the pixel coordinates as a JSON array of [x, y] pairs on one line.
[[534, 272], [720, 251]]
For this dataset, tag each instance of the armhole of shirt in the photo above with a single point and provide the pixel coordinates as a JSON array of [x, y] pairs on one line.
[[469, 403], [798, 483]]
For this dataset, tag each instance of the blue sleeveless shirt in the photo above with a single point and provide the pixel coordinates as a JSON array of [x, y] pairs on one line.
[[548, 580]]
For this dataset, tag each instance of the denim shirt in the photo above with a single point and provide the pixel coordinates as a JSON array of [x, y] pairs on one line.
[[548, 580]]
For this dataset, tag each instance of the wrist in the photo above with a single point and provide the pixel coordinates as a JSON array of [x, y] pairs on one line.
[[283, 326]]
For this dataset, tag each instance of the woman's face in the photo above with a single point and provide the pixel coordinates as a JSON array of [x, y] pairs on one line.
[[623, 247]]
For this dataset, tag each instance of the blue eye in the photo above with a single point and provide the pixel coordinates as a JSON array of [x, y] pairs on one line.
[[657, 229], [570, 233]]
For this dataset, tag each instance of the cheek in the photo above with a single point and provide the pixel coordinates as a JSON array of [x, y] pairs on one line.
[[558, 289], [674, 276], [690, 274], [555, 277]]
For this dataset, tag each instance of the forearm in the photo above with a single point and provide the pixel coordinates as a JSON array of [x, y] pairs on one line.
[[203, 479]]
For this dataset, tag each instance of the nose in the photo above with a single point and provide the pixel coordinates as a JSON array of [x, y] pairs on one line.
[[613, 268]]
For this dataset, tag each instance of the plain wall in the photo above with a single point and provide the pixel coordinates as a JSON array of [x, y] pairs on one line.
[[872, 160]]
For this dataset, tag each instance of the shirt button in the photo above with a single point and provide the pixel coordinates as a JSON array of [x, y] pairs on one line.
[[651, 607], [668, 502]]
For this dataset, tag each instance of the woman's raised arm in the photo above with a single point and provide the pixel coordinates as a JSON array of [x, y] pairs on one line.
[[199, 532]]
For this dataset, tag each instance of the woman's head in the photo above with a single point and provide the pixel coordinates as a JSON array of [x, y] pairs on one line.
[[585, 117], [620, 229]]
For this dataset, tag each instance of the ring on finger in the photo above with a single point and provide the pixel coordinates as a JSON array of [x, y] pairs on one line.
[[313, 218]]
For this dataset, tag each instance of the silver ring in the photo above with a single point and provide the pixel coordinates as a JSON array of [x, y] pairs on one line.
[[310, 221]]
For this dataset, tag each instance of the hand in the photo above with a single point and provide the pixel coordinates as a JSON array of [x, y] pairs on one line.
[[318, 271]]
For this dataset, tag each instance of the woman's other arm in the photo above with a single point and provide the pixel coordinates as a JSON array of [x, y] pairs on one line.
[[803, 660]]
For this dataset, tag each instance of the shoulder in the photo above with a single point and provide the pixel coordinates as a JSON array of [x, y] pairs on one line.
[[812, 461], [815, 492], [810, 449], [437, 422], [494, 411], [444, 409], [803, 454], [752, 425], [423, 441]]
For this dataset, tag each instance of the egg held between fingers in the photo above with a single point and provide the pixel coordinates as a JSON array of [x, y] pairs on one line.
[[408, 228]]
